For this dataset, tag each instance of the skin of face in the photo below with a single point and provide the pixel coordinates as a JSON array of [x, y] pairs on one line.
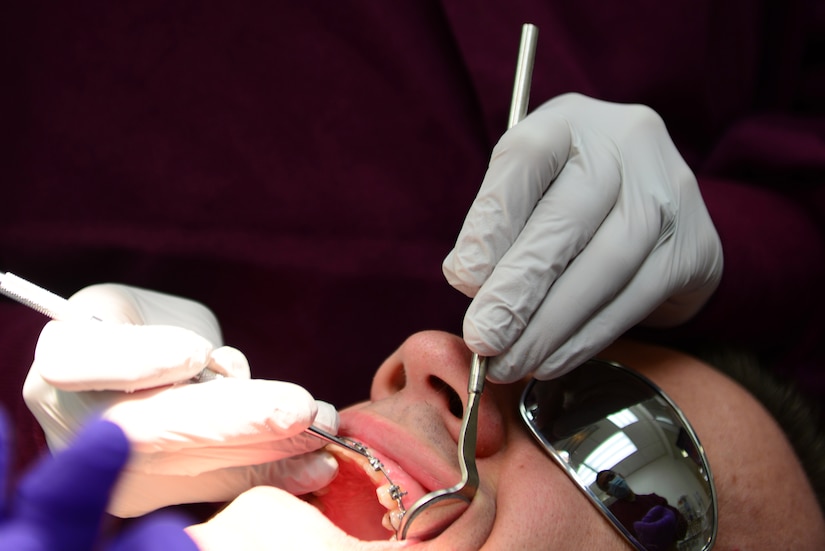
[[525, 501]]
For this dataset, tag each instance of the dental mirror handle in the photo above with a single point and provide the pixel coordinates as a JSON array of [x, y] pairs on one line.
[[524, 74]]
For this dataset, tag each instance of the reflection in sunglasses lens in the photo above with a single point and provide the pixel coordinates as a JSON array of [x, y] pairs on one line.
[[628, 447]]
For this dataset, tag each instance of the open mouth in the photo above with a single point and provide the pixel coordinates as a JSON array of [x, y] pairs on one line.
[[361, 501]]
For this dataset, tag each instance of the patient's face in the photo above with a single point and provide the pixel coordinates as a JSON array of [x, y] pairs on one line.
[[412, 424], [524, 501]]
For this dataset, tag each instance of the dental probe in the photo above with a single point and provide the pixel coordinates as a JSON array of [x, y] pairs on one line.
[[332, 439]]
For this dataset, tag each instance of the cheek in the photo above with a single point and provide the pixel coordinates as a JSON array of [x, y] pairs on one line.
[[538, 503]]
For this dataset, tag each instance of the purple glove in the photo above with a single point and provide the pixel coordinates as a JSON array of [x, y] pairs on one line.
[[657, 530], [60, 502]]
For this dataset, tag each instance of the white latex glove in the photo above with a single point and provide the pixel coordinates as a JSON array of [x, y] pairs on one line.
[[588, 222], [268, 518], [205, 442]]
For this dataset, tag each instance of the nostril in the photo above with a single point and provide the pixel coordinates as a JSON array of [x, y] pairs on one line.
[[454, 403], [398, 379]]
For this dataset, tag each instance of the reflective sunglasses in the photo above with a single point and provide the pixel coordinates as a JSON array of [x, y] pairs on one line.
[[630, 450]]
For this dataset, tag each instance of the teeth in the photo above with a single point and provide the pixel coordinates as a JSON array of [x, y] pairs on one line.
[[373, 468], [388, 494], [392, 520], [343, 453], [385, 497], [386, 522]]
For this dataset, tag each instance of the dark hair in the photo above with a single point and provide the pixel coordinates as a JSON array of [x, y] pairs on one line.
[[799, 417], [603, 478]]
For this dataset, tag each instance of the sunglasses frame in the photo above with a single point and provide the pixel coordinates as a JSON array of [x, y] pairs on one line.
[[560, 459]]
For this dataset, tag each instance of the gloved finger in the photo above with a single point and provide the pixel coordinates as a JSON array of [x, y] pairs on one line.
[[210, 457], [594, 278], [251, 519], [220, 455], [563, 223], [138, 493], [686, 302], [61, 414], [664, 291], [65, 496], [159, 532], [77, 356], [635, 303], [229, 362], [194, 428], [300, 474], [195, 460], [700, 261], [115, 303], [523, 164], [327, 417]]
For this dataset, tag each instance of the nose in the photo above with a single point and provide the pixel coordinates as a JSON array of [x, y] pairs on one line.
[[431, 370]]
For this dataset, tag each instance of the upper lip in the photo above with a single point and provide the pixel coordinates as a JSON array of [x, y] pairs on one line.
[[418, 460]]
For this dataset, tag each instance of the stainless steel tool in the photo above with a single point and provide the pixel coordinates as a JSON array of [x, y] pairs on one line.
[[433, 512]]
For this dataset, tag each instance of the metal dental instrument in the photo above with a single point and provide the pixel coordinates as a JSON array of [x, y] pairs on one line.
[[337, 440], [432, 520], [524, 74]]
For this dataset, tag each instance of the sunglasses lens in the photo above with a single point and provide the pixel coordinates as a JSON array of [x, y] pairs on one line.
[[630, 450]]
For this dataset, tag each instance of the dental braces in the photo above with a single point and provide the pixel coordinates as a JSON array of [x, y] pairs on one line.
[[396, 493]]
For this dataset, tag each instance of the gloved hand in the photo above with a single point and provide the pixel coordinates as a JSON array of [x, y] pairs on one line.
[[588, 222], [204, 442], [60, 502], [269, 518], [657, 529]]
